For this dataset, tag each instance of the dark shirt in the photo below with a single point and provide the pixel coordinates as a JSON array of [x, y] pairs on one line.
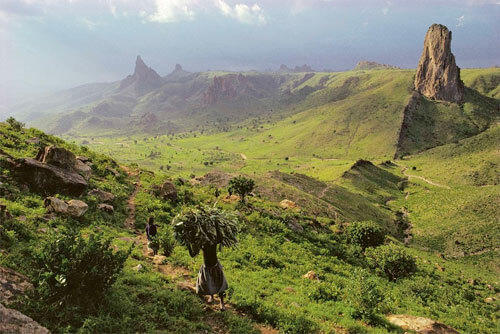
[[210, 255], [150, 230]]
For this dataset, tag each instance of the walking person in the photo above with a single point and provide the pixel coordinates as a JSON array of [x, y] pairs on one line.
[[211, 280], [151, 230]]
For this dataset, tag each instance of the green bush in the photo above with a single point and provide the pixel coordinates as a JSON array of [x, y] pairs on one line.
[[242, 186], [392, 261], [14, 124], [365, 234], [363, 295], [166, 239], [75, 272]]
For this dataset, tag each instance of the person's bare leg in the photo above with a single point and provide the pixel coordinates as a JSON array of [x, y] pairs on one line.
[[222, 306]]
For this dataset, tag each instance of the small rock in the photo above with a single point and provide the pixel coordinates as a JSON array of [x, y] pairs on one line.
[[33, 140], [54, 204], [77, 208], [472, 281], [489, 299], [289, 289], [82, 159], [139, 267], [420, 325], [438, 267], [106, 208], [168, 191], [311, 275], [102, 195], [287, 204]]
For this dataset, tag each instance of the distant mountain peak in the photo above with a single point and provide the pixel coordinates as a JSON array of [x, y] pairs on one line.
[[372, 65], [144, 78], [178, 68], [297, 69]]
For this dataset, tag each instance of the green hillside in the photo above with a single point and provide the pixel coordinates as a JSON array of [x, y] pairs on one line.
[[278, 245]]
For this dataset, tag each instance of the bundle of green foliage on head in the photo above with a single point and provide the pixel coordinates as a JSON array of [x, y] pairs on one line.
[[196, 227]]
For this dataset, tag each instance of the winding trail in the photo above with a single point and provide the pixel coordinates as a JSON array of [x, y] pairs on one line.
[[409, 176], [182, 277]]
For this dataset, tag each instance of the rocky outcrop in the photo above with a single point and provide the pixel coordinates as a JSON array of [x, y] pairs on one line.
[[57, 156], [420, 325], [438, 76], [14, 322], [106, 208], [143, 80], [49, 179], [222, 88], [12, 283]]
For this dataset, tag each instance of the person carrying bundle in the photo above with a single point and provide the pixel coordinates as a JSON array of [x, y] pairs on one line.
[[151, 230], [203, 228]]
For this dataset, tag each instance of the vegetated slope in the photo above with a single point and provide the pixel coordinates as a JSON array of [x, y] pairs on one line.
[[427, 124], [485, 80], [35, 238], [463, 219]]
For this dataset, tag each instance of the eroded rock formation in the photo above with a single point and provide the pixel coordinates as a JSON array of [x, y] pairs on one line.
[[438, 76], [144, 78]]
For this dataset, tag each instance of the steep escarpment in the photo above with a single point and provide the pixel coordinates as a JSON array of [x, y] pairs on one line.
[[438, 76]]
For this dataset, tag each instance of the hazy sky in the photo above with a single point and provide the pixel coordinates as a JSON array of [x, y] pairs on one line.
[[53, 44]]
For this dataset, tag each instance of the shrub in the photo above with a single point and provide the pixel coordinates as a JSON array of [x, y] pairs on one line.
[[71, 270], [242, 186], [14, 124], [166, 240], [363, 295], [392, 261], [365, 234]]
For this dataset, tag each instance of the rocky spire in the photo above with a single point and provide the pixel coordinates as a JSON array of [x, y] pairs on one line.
[[438, 76], [144, 78]]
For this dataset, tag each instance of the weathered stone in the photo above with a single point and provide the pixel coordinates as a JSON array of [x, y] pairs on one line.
[[106, 208], [58, 156], [138, 267], [102, 195], [77, 208], [83, 169], [54, 204], [82, 159], [48, 179], [311, 275], [420, 325], [12, 283], [287, 204], [438, 76], [168, 191], [14, 322]]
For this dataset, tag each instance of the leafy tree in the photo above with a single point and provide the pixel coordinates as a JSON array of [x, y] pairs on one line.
[[242, 186], [392, 261], [16, 125], [365, 234]]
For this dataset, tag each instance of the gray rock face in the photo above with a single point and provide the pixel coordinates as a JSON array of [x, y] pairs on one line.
[[12, 283], [48, 179], [74, 208], [58, 156], [168, 191], [420, 325], [14, 322], [102, 195], [438, 76]]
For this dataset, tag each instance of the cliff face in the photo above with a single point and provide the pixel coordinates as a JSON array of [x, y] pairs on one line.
[[438, 76]]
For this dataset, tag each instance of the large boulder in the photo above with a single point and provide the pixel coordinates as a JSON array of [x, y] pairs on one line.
[[102, 195], [168, 191], [57, 156], [106, 208], [83, 169], [420, 325], [12, 283], [49, 179], [14, 322], [438, 76]]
